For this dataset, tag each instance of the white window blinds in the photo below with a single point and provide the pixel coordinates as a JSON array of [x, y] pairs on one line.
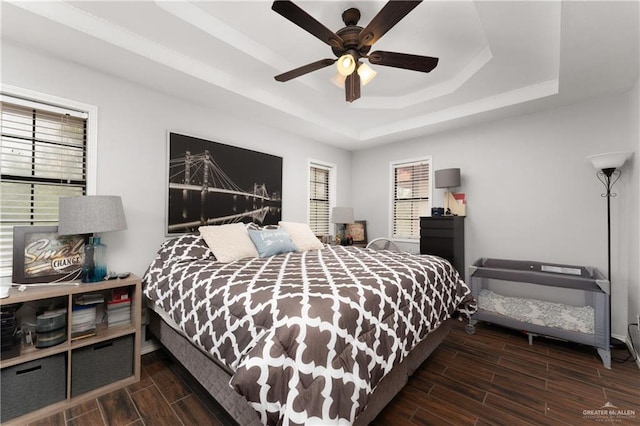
[[43, 157], [411, 197], [319, 200]]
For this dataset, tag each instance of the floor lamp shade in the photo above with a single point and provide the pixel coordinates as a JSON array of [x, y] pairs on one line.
[[609, 160], [89, 214]]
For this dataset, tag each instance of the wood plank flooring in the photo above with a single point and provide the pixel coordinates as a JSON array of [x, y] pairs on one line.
[[490, 378]]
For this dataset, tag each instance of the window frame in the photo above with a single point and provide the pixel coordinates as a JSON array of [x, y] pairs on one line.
[[392, 190], [34, 99], [332, 168]]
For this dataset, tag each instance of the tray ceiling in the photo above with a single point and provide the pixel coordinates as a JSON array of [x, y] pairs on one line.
[[496, 59]]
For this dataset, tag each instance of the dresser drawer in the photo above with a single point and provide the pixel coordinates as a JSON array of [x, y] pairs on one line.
[[442, 247], [436, 233], [436, 223]]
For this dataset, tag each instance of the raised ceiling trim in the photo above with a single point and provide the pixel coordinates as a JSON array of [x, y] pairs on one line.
[[195, 16], [80, 20], [512, 97], [432, 92]]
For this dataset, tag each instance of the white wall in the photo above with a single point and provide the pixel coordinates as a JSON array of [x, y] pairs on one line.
[[132, 132], [531, 194]]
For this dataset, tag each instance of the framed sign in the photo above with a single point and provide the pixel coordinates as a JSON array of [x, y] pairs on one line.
[[41, 255], [210, 183], [358, 231]]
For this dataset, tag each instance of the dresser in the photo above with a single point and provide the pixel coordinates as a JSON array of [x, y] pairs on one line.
[[444, 236]]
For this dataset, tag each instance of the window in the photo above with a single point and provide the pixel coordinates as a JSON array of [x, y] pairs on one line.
[[411, 185], [44, 157], [321, 189]]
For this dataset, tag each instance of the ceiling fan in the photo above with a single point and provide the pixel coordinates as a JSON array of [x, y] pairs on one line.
[[353, 43]]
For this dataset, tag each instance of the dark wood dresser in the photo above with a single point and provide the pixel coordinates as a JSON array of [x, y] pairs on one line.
[[444, 236]]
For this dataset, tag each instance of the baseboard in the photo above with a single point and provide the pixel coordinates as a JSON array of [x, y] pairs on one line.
[[149, 346]]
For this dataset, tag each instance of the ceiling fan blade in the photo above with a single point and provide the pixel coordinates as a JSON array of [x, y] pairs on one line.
[[307, 22], [305, 69], [352, 87], [403, 60], [389, 15]]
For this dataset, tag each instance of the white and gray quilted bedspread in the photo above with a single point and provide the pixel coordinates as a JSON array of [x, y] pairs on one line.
[[308, 335]]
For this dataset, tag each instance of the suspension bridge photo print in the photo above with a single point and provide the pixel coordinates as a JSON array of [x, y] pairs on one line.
[[210, 183]]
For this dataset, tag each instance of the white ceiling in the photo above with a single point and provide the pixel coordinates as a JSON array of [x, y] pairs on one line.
[[497, 58]]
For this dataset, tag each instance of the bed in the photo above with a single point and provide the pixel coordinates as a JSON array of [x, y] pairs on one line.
[[312, 336]]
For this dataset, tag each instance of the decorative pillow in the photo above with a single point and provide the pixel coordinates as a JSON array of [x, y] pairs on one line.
[[252, 226], [228, 242], [270, 242], [301, 235], [185, 247]]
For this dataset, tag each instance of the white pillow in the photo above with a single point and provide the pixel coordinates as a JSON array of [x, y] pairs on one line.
[[228, 242], [302, 236]]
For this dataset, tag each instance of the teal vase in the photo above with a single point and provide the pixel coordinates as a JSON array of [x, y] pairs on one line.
[[95, 266]]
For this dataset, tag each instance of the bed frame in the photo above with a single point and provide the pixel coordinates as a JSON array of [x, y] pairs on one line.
[[215, 378]]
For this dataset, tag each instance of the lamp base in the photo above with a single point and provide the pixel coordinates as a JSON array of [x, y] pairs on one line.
[[94, 269]]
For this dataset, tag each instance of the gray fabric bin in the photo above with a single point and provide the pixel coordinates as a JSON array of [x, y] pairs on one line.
[[32, 385], [101, 364]]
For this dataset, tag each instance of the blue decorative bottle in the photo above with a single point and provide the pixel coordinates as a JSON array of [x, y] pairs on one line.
[[95, 266]]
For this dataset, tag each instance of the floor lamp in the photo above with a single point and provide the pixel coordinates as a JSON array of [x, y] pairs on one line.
[[608, 166]]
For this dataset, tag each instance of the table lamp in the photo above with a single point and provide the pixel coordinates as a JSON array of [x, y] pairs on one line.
[[447, 178], [86, 215], [341, 216]]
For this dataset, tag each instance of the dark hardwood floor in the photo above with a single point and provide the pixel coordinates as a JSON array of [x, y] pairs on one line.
[[492, 377]]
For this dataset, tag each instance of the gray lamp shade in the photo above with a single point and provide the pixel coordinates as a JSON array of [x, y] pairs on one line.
[[447, 178], [89, 214], [342, 215]]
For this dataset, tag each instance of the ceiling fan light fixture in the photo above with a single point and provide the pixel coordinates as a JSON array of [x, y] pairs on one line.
[[338, 79], [346, 64], [352, 43], [366, 73]]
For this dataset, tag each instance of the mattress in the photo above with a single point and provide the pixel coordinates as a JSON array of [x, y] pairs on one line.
[[539, 312]]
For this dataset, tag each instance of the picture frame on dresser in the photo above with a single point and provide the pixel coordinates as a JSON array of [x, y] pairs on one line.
[[358, 230], [41, 255]]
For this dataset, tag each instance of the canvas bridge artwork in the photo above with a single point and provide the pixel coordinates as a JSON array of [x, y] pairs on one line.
[[210, 183]]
